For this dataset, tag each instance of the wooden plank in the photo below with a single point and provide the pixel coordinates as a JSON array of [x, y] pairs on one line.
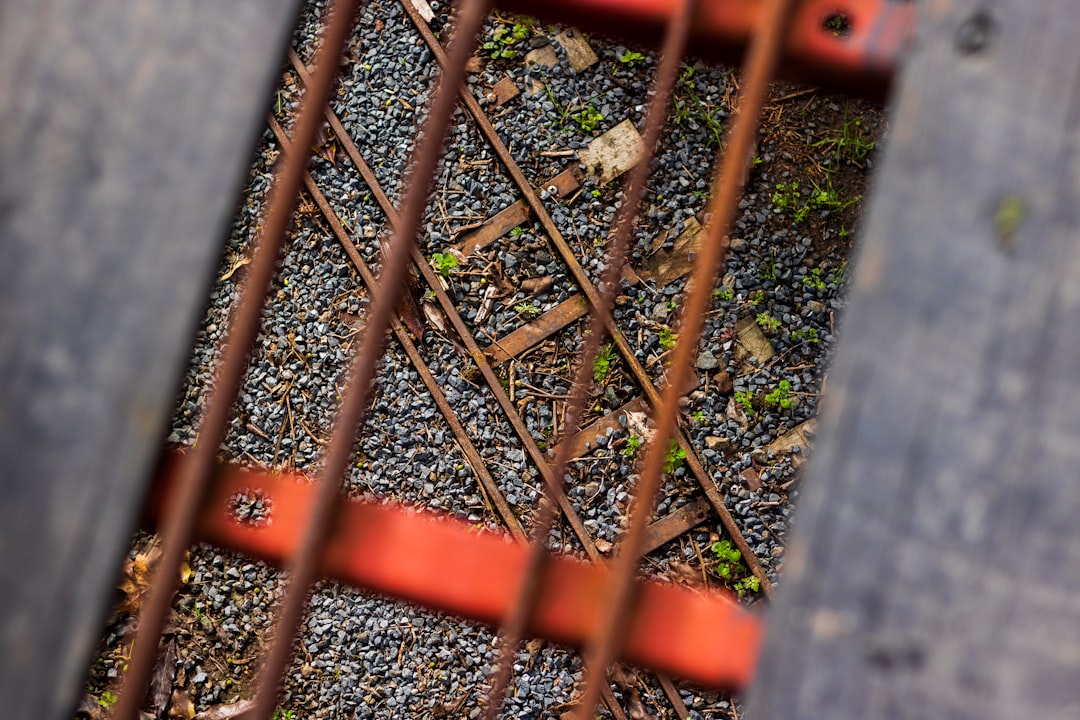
[[936, 565], [751, 342], [579, 54], [800, 436], [504, 91], [509, 218], [614, 152], [675, 523], [127, 132], [667, 266], [531, 335], [585, 441]]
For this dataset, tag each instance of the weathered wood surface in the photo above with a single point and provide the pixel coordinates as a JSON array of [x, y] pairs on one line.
[[936, 567], [125, 133]]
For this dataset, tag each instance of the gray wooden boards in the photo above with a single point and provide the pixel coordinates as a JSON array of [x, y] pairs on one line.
[[126, 129], [936, 568]]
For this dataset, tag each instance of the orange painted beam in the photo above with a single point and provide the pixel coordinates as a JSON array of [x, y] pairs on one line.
[[445, 564]]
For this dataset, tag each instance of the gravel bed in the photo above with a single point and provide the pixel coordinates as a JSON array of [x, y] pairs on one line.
[[367, 657]]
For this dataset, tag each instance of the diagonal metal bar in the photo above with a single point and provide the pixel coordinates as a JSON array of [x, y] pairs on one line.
[[177, 533], [513, 628], [593, 294], [761, 65], [304, 565]]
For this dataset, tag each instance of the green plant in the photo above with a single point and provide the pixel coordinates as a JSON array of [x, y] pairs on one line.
[[836, 277], [504, 39], [280, 714], [813, 279], [587, 119], [674, 458], [698, 417], [107, 699], [808, 334], [730, 567], [633, 443], [787, 197], [602, 365], [756, 298], [725, 294], [670, 305], [688, 106], [827, 198], [529, 311], [767, 322], [770, 267], [781, 395], [595, 192], [667, 339], [631, 59], [445, 263], [517, 231], [849, 143], [745, 399]]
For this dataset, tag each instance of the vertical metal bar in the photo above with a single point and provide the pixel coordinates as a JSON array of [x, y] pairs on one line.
[[515, 623], [179, 527], [761, 65], [305, 563]]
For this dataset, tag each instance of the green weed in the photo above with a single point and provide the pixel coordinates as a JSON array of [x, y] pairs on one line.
[[674, 458], [504, 40], [529, 311], [587, 119], [730, 567], [633, 443], [631, 59], [746, 399], [813, 279], [767, 322], [781, 395], [809, 335], [445, 263], [667, 339], [602, 364]]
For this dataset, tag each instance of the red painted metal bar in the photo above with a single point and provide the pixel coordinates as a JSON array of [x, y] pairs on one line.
[[862, 59], [449, 565]]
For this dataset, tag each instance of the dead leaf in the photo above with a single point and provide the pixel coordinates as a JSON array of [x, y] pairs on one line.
[[638, 424], [161, 683], [237, 264], [181, 707], [623, 676], [537, 284], [137, 577], [635, 709], [434, 316], [751, 478], [735, 413], [226, 712], [408, 309]]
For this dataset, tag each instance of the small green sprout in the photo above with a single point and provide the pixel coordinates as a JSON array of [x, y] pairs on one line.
[[729, 567], [674, 458], [587, 119], [667, 339], [781, 395], [725, 294], [633, 443], [517, 231], [602, 364], [813, 279], [809, 335], [444, 263], [756, 298], [767, 322], [746, 399], [529, 311], [631, 59]]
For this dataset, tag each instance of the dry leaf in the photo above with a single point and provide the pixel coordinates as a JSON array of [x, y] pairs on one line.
[[434, 316], [161, 682], [181, 707], [537, 284], [735, 413], [185, 569], [237, 264], [226, 712], [635, 709], [637, 423], [137, 577]]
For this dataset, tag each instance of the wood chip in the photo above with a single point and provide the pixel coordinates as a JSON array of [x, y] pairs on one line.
[[752, 479], [613, 153], [424, 9], [667, 266], [751, 342], [579, 53], [537, 284], [801, 435], [504, 91], [544, 56]]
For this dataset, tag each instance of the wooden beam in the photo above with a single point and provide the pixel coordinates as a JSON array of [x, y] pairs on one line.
[[936, 567], [127, 133]]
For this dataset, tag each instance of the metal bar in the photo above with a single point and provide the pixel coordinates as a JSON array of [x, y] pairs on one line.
[[513, 628], [863, 59], [177, 533], [593, 295], [318, 524], [705, 637], [761, 65], [476, 462]]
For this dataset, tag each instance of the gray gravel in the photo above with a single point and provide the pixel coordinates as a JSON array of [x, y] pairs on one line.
[[362, 656]]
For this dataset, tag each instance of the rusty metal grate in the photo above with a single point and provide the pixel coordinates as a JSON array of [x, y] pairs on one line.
[[316, 532]]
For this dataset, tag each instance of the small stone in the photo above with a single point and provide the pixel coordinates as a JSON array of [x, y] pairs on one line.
[[736, 244], [707, 361], [714, 442], [777, 551]]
